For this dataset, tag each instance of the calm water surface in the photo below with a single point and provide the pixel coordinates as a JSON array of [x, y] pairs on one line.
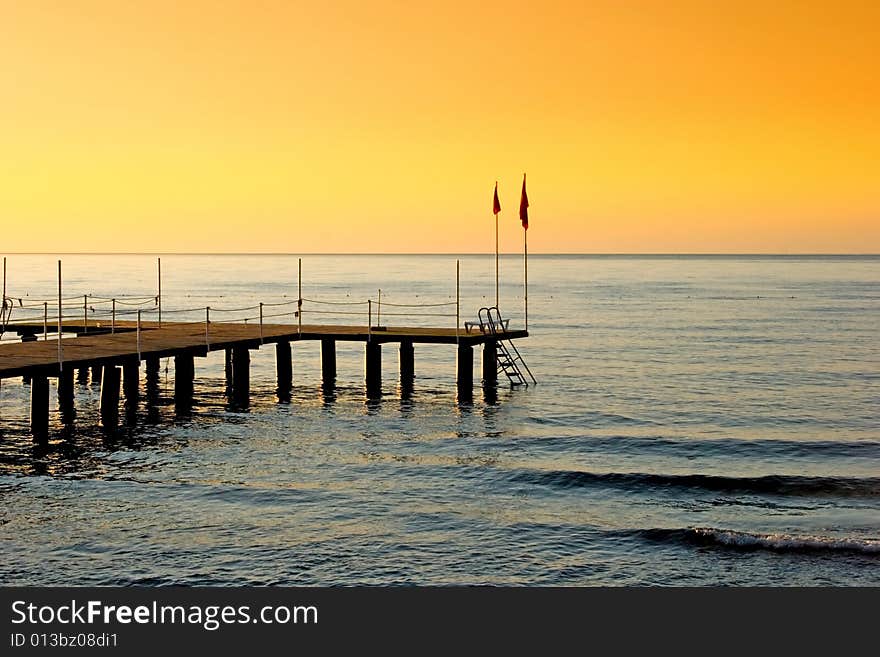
[[698, 420]]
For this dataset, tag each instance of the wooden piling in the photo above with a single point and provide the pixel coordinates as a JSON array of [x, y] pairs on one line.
[[131, 385], [328, 363], [184, 373], [82, 375], [152, 374], [39, 407], [96, 374], [465, 371], [283, 367], [373, 366], [407, 366], [241, 376], [490, 363], [110, 397], [65, 395]]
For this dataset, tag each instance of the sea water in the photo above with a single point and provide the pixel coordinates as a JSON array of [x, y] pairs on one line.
[[698, 420]]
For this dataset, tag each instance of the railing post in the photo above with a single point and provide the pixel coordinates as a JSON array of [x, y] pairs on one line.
[[207, 324], [159, 296], [457, 299], [113, 318], [139, 335], [369, 319], [85, 313], [261, 322], [379, 309], [60, 313], [45, 321], [299, 304]]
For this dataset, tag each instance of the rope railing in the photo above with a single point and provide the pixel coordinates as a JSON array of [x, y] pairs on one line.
[[336, 303], [418, 305], [93, 309], [94, 313]]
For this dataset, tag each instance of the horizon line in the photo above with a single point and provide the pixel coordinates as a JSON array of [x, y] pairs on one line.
[[450, 254]]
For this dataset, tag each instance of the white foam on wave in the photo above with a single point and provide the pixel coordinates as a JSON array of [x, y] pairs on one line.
[[789, 542]]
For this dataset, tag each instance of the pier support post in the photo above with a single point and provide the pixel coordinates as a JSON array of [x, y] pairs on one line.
[[110, 397], [184, 373], [374, 369], [131, 385], [328, 363], [96, 374], [465, 373], [82, 375], [241, 376], [490, 363], [283, 368], [40, 407], [407, 367], [65, 395]]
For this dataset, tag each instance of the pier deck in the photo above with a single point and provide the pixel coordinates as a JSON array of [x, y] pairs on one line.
[[101, 347], [114, 359]]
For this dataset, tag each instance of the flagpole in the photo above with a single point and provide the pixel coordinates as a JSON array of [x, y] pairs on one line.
[[60, 327], [526, 274], [496, 261]]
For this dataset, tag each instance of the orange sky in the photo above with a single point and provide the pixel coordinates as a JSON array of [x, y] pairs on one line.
[[644, 126]]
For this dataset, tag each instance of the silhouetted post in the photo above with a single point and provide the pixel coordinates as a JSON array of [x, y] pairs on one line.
[[407, 367], [241, 376], [465, 373], [299, 301], [96, 374], [82, 375], [159, 294], [490, 363], [184, 373], [328, 363], [131, 382], [110, 397], [65, 395], [60, 317], [153, 368], [374, 369], [283, 367], [40, 407]]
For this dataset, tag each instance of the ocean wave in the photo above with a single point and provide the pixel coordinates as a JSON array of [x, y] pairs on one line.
[[747, 541], [769, 484]]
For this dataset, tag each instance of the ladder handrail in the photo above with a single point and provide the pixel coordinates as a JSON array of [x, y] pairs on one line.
[[507, 363]]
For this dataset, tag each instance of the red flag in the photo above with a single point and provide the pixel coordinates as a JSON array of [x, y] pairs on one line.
[[524, 206], [496, 204]]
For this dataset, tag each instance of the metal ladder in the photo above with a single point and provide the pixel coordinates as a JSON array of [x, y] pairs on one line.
[[509, 358]]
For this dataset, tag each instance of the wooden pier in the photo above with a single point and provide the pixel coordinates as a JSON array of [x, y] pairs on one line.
[[115, 358]]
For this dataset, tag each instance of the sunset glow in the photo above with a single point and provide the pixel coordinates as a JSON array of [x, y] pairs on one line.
[[382, 126]]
